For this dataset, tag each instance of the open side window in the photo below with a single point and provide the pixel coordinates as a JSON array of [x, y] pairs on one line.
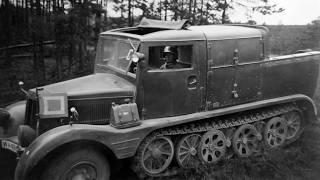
[[183, 56]]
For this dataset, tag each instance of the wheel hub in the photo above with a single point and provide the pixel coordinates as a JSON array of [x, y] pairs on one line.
[[82, 171], [193, 151], [156, 153], [272, 132], [212, 147], [80, 177], [245, 140]]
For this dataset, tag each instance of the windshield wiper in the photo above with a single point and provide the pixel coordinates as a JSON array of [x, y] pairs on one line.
[[131, 44]]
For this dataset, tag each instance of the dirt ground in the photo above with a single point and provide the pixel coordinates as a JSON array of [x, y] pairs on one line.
[[300, 160]]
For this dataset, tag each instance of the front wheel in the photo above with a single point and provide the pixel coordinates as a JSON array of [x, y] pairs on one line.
[[79, 164]]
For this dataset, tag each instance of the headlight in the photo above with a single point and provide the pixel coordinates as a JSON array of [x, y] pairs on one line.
[[4, 118], [26, 135], [53, 105]]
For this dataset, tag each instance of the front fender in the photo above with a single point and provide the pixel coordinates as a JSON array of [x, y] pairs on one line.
[[122, 142]]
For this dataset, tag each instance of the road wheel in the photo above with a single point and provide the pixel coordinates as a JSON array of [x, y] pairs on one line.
[[186, 151], [295, 125], [78, 164], [275, 132], [212, 147], [245, 140], [157, 155]]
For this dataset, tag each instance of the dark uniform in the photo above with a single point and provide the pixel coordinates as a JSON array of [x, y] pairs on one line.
[[171, 58], [172, 66]]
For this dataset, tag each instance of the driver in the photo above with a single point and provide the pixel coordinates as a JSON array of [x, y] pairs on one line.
[[171, 56]]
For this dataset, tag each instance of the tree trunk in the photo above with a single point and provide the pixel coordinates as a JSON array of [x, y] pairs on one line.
[[7, 31], [58, 62], [166, 10], [160, 8], [70, 57], [81, 56], [38, 29], [201, 12], [194, 11], [35, 62], [190, 9], [224, 10], [129, 13]]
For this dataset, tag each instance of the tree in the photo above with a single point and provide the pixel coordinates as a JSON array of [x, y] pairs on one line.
[[260, 6], [314, 34]]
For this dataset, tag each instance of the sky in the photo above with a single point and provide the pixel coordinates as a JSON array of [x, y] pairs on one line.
[[297, 12]]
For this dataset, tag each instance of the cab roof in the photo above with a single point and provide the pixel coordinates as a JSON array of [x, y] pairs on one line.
[[157, 32]]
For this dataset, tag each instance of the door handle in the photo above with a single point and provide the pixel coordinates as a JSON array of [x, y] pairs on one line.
[[192, 82], [235, 94]]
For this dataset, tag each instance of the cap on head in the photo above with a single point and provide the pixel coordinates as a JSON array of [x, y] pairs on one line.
[[169, 49]]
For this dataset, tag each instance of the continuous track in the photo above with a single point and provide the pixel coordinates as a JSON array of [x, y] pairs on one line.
[[223, 123]]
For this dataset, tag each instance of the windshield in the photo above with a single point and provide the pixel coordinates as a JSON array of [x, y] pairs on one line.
[[115, 52]]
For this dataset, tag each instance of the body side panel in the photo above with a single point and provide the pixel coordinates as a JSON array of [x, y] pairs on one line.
[[290, 75]]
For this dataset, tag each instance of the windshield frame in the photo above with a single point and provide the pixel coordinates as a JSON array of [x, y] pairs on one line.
[[99, 59]]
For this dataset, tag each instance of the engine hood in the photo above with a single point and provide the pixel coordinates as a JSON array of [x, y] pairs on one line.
[[99, 84]]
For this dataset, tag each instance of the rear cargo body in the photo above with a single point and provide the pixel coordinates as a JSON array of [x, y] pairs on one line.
[[291, 74], [265, 79]]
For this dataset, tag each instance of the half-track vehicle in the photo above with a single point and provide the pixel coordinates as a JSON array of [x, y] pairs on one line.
[[226, 96]]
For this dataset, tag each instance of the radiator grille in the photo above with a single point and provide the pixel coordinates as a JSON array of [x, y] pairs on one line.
[[93, 112]]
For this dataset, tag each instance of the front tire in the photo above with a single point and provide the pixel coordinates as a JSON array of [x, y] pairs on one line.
[[78, 164]]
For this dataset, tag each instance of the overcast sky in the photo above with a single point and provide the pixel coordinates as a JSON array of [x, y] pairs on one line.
[[296, 12]]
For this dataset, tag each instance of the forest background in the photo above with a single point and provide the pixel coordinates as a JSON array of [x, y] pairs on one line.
[[47, 41]]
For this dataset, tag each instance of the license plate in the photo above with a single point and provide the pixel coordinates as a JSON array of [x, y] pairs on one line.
[[9, 145]]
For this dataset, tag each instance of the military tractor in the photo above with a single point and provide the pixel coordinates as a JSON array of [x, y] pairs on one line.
[[227, 96]]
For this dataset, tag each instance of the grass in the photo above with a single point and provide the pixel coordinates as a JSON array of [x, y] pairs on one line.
[[299, 160]]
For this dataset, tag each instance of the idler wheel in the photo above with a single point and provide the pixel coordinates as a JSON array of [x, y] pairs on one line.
[[186, 151], [212, 147], [245, 140], [157, 155], [275, 132], [294, 124]]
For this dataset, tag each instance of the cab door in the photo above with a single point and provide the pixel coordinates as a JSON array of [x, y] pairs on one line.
[[220, 73], [248, 76], [172, 92]]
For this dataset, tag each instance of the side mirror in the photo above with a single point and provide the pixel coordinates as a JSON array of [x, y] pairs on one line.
[[21, 83], [136, 57]]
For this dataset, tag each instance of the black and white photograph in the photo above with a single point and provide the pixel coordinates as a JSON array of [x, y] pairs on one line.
[[159, 90]]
